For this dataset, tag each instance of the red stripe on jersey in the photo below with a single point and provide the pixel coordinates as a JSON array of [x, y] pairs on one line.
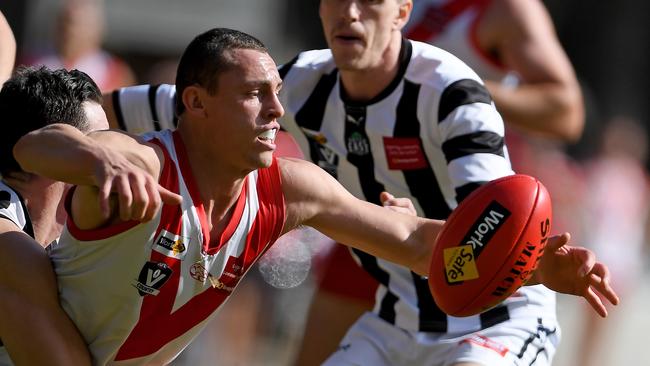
[[437, 17], [158, 325]]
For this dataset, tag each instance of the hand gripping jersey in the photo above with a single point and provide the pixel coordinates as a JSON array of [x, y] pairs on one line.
[[140, 292], [451, 25], [13, 208]]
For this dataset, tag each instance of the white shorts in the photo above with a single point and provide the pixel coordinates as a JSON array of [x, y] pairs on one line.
[[522, 341]]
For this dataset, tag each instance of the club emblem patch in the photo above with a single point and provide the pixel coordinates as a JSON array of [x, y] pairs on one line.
[[152, 277]]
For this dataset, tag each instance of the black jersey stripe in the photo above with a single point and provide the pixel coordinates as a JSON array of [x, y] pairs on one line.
[[422, 183], [153, 89], [310, 116], [117, 108], [486, 142], [461, 92], [494, 316], [432, 319], [283, 70], [463, 191], [370, 264]]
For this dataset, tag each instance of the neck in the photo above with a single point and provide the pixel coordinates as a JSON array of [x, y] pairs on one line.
[[220, 184], [45, 207], [365, 84]]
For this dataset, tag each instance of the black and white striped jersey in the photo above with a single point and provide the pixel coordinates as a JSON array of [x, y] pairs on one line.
[[432, 135], [13, 208]]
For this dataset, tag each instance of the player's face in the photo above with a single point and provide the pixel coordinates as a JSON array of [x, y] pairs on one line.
[[246, 108], [359, 31]]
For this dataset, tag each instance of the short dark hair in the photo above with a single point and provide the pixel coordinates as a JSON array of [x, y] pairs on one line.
[[205, 58], [36, 97]]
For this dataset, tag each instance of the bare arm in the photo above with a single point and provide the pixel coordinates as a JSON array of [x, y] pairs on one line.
[[316, 199], [549, 100], [100, 163], [7, 49], [33, 326]]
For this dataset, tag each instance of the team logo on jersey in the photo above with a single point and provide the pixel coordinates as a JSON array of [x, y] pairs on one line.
[[198, 272], [314, 135], [152, 277], [326, 159], [171, 245], [358, 144]]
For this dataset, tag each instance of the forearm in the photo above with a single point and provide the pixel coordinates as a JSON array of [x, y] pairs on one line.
[[60, 152], [548, 109]]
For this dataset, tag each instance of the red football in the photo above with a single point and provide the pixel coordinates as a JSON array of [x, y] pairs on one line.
[[490, 245]]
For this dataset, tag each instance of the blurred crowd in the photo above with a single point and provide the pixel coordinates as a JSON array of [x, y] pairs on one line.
[[599, 187]]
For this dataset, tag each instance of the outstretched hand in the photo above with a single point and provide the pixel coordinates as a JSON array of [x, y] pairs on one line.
[[575, 271]]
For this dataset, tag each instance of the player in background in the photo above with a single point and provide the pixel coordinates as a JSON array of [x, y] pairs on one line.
[[506, 43], [34, 329], [235, 192], [79, 32], [7, 49]]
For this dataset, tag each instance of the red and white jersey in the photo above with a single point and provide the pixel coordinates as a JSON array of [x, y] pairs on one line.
[[140, 292], [451, 25]]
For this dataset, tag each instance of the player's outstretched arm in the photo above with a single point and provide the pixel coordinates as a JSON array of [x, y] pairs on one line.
[[33, 327], [575, 271], [548, 99], [316, 199], [101, 163]]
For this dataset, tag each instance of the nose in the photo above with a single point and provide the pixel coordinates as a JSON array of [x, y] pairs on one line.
[[350, 10], [275, 109]]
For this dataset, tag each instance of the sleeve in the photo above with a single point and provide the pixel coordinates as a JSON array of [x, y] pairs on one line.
[[145, 108], [471, 132]]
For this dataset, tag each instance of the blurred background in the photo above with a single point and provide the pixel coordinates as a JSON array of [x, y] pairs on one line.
[[599, 184]]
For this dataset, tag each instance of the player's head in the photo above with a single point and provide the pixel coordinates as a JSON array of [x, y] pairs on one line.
[[207, 57], [37, 97], [360, 32]]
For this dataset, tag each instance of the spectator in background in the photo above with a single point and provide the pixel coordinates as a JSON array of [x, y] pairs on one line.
[[78, 45], [7, 49], [616, 204]]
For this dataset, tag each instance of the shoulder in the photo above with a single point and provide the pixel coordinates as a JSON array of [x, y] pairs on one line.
[[436, 68]]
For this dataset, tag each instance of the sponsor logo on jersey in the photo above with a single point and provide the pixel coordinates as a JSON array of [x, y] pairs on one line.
[[171, 245], [356, 120], [358, 144], [152, 277], [486, 342], [404, 153]]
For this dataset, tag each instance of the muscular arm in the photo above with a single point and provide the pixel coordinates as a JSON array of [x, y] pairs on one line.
[[99, 163], [549, 100], [316, 199], [33, 326], [7, 50]]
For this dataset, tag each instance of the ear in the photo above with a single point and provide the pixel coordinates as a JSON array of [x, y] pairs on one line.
[[404, 14], [193, 101]]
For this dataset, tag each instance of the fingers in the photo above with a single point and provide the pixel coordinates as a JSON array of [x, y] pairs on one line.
[[104, 192], [595, 302], [599, 278], [404, 205], [556, 242], [169, 197]]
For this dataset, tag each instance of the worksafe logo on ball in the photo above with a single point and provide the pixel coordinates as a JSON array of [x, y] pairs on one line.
[[152, 277], [171, 245], [460, 261]]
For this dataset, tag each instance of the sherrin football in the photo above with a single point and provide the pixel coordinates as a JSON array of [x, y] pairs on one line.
[[490, 245]]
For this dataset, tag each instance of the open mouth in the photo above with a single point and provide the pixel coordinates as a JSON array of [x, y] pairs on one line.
[[268, 135]]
